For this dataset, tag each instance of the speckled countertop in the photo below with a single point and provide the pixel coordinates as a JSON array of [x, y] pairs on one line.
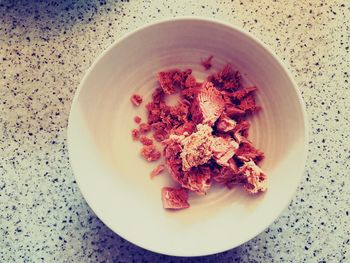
[[45, 48]]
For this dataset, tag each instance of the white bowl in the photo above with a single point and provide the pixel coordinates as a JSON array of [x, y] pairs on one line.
[[114, 179]]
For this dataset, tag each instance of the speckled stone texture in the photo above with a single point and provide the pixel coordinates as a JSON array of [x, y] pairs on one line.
[[45, 48]]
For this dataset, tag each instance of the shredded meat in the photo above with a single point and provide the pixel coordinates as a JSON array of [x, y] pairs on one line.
[[204, 136], [198, 179]]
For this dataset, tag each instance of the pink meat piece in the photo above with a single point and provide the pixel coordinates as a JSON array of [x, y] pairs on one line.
[[165, 80], [223, 150], [225, 124], [242, 127], [196, 147], [144, 127], [255, 178], [157, 170], [247, 151], [234, 112], [226, 173], [240, 132], [188, 127], [150, 153], [208, 105], [198, 179], [173, 198], [171, 152]]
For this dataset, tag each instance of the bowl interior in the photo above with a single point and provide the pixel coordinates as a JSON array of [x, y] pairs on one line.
[[115, 180]]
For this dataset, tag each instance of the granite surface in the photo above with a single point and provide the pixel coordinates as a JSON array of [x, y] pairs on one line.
[[45, 48]]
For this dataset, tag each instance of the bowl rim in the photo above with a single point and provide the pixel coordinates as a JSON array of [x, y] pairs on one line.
[[230, 26]]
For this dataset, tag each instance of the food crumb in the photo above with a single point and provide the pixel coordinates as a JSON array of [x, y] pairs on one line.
[[145, 140], [137, 119], [136, 99], [145, 127], [150, 153], [157, 170], [135, 134], [207, 62]]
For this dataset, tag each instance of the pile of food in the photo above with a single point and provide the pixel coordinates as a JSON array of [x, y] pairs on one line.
[[204, 136]]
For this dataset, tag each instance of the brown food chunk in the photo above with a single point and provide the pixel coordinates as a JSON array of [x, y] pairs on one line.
[[174, 198], [150, 153], [136, 99]]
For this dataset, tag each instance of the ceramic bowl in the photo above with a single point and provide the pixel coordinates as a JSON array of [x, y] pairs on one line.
[[114, 179]]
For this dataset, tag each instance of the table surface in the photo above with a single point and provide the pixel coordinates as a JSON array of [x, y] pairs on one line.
[[45, 48]]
